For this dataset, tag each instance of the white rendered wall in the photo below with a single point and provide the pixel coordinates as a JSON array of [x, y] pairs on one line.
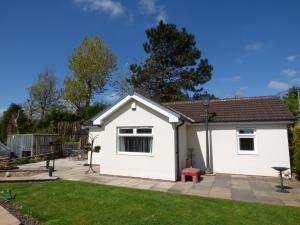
[[271, 143], [95, 158], [159, 165]]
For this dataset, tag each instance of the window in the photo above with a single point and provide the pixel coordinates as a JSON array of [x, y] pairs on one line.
[[246, 141], [135, 140], [144, 130], [126, 131]]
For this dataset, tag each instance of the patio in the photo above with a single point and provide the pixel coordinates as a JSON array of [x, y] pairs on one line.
[[235, 187]]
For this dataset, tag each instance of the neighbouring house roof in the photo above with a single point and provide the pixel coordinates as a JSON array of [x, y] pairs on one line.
[[170, 114], [247, 109]]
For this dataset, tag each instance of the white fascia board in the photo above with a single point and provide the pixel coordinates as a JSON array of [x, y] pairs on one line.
[[99, 119], [244, 123], [173, 117]]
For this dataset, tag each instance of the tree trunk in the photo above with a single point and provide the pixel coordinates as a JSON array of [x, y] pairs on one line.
[[89, 94], [87, 101]]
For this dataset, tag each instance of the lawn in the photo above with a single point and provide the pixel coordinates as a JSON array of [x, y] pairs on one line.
[[70, 202]]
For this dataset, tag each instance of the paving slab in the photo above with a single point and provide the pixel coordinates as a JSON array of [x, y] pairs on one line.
[[288, 196], [115, 182], [145, 184], [202, 187], [216, 194], [102, 180], [6, 218], [162, 186], [244, 187], [269, 200], [205, 183], [240, 182], [197, 192], [242, 194], [208, 178], [131, 183], [260, 186], [225, 184], [262, 193], [181, 187], [239, 176], [220, 189], [223, 177], [223, 181], [291, 203]]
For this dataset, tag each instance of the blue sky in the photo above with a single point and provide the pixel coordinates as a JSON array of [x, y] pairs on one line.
[[254, 45]]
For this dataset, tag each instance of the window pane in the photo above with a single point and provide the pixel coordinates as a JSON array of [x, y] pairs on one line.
[[126, 131], [246, 144], [135, 144], [246, 131], [144, 130]]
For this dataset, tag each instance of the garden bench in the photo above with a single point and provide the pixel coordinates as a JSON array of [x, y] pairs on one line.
[[190, 172]]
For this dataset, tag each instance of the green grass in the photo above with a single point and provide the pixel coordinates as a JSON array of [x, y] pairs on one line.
[[68, 202]]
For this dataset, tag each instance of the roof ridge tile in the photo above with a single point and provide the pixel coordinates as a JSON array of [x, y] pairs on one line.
[[222, 100]]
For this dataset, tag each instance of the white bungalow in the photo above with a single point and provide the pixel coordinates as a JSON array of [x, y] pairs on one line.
[[142, 138]]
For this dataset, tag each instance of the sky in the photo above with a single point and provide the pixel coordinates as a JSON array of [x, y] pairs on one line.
[[254, 46]]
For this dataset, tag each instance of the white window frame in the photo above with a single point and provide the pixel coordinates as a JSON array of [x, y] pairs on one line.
[[134, 134], [238, 135]]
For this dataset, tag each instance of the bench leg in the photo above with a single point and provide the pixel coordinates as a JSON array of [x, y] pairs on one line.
[[183, 178], [195, 179]]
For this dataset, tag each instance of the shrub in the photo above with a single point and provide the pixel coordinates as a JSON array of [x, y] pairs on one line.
[[21, 161], [7, 195], [8, 167], [296, 150]]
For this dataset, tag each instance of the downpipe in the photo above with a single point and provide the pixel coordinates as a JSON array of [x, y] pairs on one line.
[[177, 149]]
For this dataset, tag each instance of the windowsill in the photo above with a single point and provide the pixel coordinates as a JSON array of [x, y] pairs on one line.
[[247, 153], [135, 154]]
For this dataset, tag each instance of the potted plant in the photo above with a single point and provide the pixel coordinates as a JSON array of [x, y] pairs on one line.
[[97, 148]]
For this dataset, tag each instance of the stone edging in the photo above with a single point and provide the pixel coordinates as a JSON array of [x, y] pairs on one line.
[[26, 179], [23, 218]]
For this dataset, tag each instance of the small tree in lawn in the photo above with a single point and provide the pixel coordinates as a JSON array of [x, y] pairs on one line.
[[90, 148]]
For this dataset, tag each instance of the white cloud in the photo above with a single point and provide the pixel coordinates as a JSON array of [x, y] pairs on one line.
[[148, 6], [292, 58], [289, 72], [236, 78], [296, 80], [162, 15], [255, 46], [249, 50], [151, 7], [240, 91], [111, 7], [229, 79], [278, 85]]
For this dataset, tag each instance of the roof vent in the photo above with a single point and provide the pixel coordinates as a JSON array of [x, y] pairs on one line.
[[133, 106]]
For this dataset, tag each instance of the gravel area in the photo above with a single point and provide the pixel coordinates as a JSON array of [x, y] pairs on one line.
[[24, 218]]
